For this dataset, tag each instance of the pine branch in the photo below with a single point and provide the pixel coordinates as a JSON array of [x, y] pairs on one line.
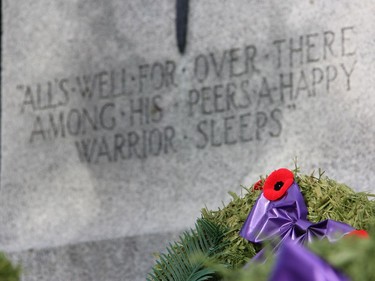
[[184, 260], [8, 272]]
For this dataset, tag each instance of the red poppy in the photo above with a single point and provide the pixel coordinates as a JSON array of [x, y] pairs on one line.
[[358, 233], [258, 185], [277, 183]]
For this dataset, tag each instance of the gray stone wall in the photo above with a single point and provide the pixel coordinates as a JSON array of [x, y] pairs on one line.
[[128, 258], [112, 141]]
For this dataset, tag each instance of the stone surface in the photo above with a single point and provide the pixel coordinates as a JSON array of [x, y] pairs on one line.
[[116, 259], [108, 132]]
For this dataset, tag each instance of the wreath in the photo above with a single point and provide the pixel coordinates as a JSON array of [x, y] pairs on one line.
[[287, 226]]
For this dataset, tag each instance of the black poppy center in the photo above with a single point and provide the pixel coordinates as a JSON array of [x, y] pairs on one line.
[[278, 185]]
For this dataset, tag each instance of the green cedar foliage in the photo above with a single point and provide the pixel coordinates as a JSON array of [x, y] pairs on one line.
[[352, 256], [184, 260], [7, 271]]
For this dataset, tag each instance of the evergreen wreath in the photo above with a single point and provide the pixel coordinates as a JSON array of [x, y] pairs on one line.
[[215, 251]]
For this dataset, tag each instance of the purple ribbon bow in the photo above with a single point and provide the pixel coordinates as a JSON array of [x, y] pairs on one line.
[[284, 223], [286, 219]]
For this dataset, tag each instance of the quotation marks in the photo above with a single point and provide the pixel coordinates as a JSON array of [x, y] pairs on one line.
[[291, 106]]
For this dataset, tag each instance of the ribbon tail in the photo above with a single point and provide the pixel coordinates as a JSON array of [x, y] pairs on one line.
[[294, 263]]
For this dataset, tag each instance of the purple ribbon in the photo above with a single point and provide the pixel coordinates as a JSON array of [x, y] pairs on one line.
[[284, 223], [286, 219], [296, 263]]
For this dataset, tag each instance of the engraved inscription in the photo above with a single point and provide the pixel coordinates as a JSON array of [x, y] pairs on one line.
[[234, 96]]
